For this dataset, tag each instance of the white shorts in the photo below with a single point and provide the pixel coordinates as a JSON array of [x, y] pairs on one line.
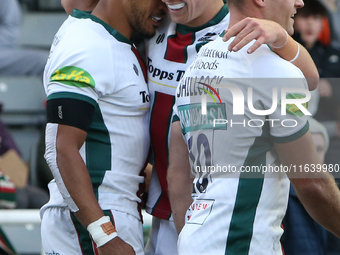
[[162, 239], [62, 233]]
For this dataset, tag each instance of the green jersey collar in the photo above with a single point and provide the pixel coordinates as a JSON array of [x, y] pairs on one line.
[[87, 15], [217, 19]]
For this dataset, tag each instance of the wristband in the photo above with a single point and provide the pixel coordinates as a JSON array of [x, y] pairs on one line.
[[283, 44], [102, 231], [297, 54]]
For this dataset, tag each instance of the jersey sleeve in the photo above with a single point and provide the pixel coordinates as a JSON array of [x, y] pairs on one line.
[[286, 99], [174, 117], [78, 65]]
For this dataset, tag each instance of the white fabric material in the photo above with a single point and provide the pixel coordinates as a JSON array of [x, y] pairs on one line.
[[219, 194], [120, 125], [59, 234], [162, 238], [51, 159], [97, 233]]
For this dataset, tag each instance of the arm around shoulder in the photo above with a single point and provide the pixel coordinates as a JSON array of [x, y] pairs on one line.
[[299, 56], [178, 177]]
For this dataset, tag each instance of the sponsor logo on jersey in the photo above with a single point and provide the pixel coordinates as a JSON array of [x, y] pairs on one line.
[[73, 76], [193, 86], [52, 253], [145, 96], [206, 37], [135, 69], [163, 74], [160, 38], [199, 211], [212, 53], [213, 90], [192, 118], [292, 108]]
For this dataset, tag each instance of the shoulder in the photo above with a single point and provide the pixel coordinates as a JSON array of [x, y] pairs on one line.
[[82, 53], [85, 42], [267, 64], [84, 34]]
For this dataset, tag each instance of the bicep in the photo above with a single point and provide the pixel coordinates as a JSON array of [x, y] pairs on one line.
[[299, 152]]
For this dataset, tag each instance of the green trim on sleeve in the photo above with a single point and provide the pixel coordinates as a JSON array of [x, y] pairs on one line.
[[270, 47], [292, 137], [72, 95], [175, 118]]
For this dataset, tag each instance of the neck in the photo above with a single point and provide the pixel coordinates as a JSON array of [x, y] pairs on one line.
[[208, 15], [112, 13], [248, 10]]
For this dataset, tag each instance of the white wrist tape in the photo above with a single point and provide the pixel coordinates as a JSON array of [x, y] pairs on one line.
[[297, 54], [279, 47], [102, 231]]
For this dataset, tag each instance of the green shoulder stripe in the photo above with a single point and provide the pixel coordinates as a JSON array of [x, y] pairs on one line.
[[73, 96], [73, 76], [175, 118], [292, 137]]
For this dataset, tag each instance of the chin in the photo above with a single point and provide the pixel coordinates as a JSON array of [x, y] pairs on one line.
[[176, 19]]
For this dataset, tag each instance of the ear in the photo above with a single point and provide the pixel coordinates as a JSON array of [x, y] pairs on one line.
[[260, 3]]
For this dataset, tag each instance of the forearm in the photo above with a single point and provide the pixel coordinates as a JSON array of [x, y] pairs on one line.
[[303, 61], [178, 176], [273, 34], [321, 199], [73, 173], [316, 190], [78, 183], [180, 189]]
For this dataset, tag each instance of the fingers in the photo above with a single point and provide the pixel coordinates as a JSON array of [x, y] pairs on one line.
[[239, 44], [234, 30], [244, 31], [256, 45], [263, 31]]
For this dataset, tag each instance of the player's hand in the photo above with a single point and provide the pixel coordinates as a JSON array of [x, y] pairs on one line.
[[248, 29], [116, 247]]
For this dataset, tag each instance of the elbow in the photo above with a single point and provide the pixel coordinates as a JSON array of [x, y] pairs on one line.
[[313, 83], [313, 188], [313, 80]]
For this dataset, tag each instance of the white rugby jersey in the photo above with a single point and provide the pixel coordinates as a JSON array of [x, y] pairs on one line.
[[237, 209], [169, 53], [91, 61]]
